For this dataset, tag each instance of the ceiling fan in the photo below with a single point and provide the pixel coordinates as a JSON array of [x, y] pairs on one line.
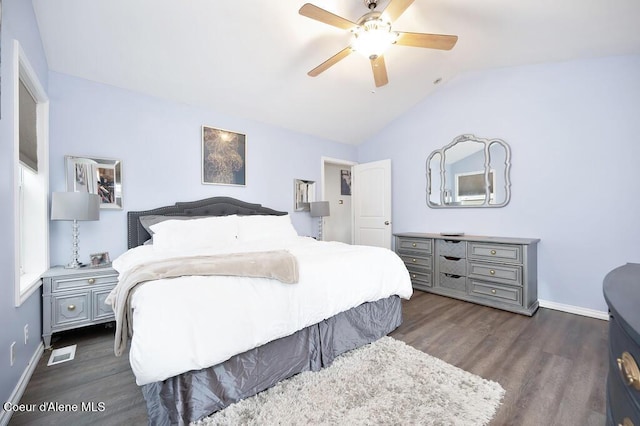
[[372, 35]]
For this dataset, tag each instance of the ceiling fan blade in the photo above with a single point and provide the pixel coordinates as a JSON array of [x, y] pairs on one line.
[[429, 41], [314, 12], [330, 62], [379, 71], [396, 8]]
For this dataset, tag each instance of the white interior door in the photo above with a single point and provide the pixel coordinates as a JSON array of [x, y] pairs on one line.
[[371, 198]]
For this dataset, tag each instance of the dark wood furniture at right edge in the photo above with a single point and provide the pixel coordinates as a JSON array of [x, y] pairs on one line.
[[622, 293], [494, 271]]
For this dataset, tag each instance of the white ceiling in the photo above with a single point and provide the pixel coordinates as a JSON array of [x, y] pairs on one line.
[[249, 58]]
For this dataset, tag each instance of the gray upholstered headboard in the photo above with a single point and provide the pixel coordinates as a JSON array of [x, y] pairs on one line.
[[215, 206]]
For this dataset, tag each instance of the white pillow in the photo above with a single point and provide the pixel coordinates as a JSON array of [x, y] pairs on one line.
[[175, 235], [261, 227]]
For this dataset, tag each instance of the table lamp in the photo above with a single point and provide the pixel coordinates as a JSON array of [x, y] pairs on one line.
[[75, 206], [319, 209]]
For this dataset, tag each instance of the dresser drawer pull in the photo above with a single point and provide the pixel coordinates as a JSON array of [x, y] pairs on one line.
[[626, 422], [414, 245], [71, 307], [493, 291], [492, 272], [413, 276], [91, 280], [629, 369], [414, 260], [493, 252], [455, 259]]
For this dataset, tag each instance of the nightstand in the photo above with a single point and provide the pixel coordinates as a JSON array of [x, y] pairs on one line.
[[74, 298]]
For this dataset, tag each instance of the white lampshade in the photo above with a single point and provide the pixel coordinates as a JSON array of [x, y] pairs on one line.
[[75, 206], [319, 208]]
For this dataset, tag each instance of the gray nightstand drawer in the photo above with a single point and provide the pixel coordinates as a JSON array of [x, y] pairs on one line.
[[496, 292], [100, 309], [410, 244], [501, 252], [71, 283], [452, 248], [500, 273], [71, 309]]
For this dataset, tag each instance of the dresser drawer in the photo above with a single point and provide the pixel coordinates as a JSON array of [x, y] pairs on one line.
[[423, 262], [495, 252], [500, 273], [452, 248], [453, 282], [420, 277], [620, 343], [453, 265], [414, 245], [621, 406], [71, 283], [495, 292], [71, 309]]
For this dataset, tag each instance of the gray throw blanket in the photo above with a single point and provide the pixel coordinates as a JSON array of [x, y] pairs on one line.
[[278, 264]]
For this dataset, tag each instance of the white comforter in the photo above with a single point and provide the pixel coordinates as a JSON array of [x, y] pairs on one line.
[[190, 323]]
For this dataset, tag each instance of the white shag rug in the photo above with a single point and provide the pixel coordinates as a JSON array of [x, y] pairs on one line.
[[386, 382]]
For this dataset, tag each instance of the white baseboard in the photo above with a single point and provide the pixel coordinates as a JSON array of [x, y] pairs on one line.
[[17, 393], [585, 312]]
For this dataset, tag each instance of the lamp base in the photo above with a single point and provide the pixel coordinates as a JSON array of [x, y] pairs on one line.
[[74, 264]]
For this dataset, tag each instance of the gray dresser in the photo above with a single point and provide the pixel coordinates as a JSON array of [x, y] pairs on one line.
[[622, 293], [73, 298], [493, 271]]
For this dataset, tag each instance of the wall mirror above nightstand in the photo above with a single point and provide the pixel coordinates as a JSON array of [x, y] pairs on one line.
[[101, 176], [469, 172], [304, 193]]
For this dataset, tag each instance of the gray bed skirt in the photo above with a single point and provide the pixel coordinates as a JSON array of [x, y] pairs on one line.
[[196, 394]]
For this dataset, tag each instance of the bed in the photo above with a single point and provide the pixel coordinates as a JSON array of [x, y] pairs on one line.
[[201, 343]]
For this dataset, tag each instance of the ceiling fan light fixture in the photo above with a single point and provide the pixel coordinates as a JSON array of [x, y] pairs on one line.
[[373, 37]]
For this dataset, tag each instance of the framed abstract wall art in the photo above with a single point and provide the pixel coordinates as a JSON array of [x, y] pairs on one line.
[[223, 157]]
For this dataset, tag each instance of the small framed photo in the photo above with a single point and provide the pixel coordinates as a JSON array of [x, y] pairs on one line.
[[99, 259]]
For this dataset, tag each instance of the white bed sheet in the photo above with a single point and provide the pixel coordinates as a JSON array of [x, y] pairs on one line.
[[194, 322]]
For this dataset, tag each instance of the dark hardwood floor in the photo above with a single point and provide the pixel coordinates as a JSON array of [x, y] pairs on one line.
[[553, 365]]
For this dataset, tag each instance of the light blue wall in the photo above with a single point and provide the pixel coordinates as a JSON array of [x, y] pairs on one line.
[[159, 143], [19, 23], [573, 129]]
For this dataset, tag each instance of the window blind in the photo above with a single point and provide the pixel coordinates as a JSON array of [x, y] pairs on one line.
[[28, 134]]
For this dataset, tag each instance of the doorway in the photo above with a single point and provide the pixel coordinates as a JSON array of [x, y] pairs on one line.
[[336, 189], [359, 197]]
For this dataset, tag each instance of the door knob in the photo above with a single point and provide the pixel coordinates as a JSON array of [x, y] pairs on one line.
[[386, 222]]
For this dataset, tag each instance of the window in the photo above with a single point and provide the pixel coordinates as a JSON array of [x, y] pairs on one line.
[[31, 109]]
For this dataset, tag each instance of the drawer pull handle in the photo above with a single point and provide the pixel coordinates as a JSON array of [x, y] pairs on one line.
[[91, 280], [71, 307], [414, 245], [413, 276], [454, 259], [493, 291], [414, 260], [492, 272], [493, 252], [453, 276], [629, 369]]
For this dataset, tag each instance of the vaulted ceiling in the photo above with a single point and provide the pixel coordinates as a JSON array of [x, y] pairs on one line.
[[250, 58]]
